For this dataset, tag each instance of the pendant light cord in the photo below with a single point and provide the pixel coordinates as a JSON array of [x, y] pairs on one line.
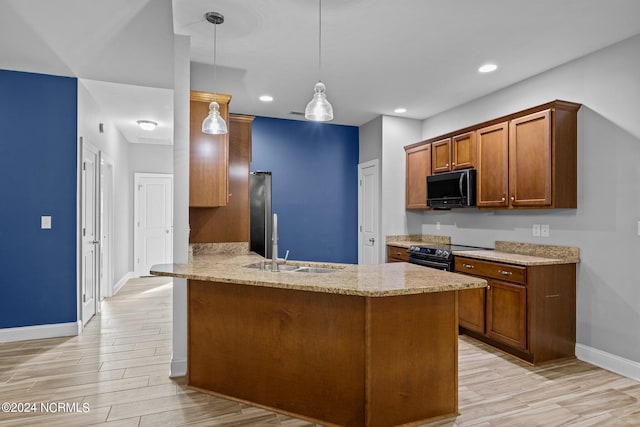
[[319, 39], [215, 69]]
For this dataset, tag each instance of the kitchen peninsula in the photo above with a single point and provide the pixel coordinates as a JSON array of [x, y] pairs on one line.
[[353, 346]]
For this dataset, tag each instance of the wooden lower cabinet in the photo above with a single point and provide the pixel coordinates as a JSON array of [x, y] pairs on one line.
[[506, 319], [529, 311], [397, 254]]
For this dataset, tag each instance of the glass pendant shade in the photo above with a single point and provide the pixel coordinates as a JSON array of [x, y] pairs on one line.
[[214, 124], [319, 109]]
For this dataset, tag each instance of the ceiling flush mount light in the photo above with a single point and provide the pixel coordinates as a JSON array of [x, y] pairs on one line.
[[487, 68], [400, 110], [214, 124], [147, 124], [319, 109], [266, 98]]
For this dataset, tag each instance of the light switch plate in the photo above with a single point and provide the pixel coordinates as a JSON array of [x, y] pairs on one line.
[[45, 222], [535, 230], [544, 230]]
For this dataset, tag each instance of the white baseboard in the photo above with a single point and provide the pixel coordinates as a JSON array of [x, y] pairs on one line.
[[608, 361], [122, 281], [39, 332], [178, 368]]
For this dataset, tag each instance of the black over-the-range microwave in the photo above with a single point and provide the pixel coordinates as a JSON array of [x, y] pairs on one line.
[[455, 189]]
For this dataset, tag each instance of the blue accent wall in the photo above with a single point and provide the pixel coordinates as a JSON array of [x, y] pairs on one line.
[[38, 134], [315, 186]]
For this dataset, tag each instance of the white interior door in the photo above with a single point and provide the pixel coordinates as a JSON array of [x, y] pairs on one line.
[[89, 231], [368, 208], [154, 221], [106, 227]]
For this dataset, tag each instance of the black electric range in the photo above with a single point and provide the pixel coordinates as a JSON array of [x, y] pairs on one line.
[[437, 256]]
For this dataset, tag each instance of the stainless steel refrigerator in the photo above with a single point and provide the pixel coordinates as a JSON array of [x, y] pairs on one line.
[[260, 213]]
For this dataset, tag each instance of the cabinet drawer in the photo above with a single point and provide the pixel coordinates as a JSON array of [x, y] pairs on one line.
[[495, 270], [398, 253]]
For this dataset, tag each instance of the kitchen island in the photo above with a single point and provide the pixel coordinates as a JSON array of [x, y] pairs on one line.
[[356, 346]]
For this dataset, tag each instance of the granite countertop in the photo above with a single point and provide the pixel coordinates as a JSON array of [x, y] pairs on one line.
[[518, 253], [364, 280]]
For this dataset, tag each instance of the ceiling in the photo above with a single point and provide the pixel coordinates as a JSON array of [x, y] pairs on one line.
[[377, 55]]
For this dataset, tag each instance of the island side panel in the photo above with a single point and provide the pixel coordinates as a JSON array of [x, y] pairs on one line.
[[297, 352], [412, 358]]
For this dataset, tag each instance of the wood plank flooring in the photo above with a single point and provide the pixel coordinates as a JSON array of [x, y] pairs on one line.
[[118, 368]]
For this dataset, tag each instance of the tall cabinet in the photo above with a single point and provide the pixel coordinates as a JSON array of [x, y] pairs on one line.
[[208, 154], [219, 175]]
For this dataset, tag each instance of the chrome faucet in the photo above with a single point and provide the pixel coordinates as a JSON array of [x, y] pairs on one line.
[[274, 246], [274, 243]]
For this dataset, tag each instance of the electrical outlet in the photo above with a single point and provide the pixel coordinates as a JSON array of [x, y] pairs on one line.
[[535, 230], [45, 222], [544, 230], [438, 225]]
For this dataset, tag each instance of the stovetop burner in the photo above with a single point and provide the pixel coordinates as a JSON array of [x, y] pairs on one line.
[[444, 252]]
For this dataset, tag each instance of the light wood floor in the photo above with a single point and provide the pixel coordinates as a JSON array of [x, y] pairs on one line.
[[119, 366]]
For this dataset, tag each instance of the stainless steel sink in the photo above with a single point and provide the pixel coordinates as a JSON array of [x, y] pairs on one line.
[[315, 270], [266, 266]]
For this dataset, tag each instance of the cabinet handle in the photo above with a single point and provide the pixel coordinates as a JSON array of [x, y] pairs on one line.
[[488, 287], [447, 165], [512, 198], [503, 199], [398, 253], [467, 265], [506, 273], [453, 163]]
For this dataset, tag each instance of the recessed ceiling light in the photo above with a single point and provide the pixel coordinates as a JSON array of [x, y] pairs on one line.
[[147, 124], [400, 110], [487, 68], [266, 98]]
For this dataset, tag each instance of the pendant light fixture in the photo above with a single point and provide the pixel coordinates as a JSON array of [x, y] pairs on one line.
[[214, 124], [319, 109]]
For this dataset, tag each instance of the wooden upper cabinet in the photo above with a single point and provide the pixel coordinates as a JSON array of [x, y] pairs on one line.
[[530, 160], [208, 154], [441, 156], [463, 151], [493, 166], [523, 160], [418, 167]]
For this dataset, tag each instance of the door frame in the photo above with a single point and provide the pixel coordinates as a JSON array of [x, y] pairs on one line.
[[361, 166], [82, 143], [106, 271], [137, 240]]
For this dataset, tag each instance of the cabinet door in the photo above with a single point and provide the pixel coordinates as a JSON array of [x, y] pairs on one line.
[[463, 151], [530, 160], [471, 309], [208, 157], [493, 165], [441, 156], [418, 168], [507, 313]]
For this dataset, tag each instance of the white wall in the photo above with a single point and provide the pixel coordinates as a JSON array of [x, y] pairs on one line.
[[181, 92], [151, 158], [605, 225], [370, 141], [112, 143]]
